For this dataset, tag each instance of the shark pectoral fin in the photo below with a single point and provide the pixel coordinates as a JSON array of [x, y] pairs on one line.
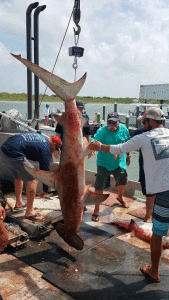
[[46, 177], [84, 121], [65, 90], [58, 118], [92, 198], [85, 144]]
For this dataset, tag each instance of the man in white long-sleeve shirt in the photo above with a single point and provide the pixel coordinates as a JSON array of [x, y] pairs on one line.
[[154, 145]]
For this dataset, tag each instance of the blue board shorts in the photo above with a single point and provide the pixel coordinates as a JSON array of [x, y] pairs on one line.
[[103, 177], [16, 166], [161, 214]]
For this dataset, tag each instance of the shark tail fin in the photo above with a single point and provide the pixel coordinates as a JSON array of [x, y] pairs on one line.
[[93, 198], [62, 88]]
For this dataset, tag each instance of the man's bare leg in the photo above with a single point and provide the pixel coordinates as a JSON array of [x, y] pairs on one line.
[[121, 189], [156, 251], [149, 208], [95, 216], [30, 193], [18, 183]]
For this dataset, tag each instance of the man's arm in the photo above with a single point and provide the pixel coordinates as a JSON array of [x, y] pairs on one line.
[[133, 144], [2, 213]]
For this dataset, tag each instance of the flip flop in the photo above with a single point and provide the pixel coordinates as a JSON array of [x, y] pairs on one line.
[[95, 218], [20, 208], [144, 271], [37, 218], [123, 203]]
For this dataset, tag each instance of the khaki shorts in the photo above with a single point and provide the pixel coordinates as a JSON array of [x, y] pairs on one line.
[[16, 166], [103, 177]]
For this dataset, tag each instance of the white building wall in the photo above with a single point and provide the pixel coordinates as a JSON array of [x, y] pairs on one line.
[[154, 92]]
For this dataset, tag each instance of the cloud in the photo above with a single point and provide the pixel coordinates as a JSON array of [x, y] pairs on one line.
[[126, 44]]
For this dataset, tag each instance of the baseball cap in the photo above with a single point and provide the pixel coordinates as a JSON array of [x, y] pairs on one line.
[[47, 105], [113, 117], [154, 113], [56, 141], [79, 104]]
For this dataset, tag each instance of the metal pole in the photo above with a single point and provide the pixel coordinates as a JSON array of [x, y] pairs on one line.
[[104, 109], [29, 55], [115, 107], [36, 58]]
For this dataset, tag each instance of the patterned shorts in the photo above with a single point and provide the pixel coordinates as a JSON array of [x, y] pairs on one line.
[[161, 214]]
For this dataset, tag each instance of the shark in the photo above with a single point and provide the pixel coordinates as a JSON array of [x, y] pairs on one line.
[[68, 177]]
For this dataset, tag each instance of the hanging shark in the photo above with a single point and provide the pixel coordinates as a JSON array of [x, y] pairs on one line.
[[68, 178]]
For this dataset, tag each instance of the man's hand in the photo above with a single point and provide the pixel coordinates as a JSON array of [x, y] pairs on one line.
[[2, 213], [94, 145], [91, 153], [117, 155]]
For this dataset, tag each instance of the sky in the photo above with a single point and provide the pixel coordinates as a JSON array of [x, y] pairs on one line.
[[126, 44]]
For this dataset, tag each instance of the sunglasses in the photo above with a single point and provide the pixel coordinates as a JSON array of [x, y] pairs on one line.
[[144, 121], [112, 122]]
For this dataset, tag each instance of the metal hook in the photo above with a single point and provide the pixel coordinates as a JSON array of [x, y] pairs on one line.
[[77, 32], [75, 66]]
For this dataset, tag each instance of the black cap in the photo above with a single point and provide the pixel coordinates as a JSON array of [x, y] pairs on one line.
[[79, 104], [114, 117]]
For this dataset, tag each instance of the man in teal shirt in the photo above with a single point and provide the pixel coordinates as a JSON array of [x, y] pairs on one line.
[[112, 134]]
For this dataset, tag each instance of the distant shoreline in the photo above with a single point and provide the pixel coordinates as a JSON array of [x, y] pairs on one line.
[[54, 98]]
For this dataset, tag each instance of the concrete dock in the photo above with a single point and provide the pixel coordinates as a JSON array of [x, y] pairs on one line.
[[107, 267]]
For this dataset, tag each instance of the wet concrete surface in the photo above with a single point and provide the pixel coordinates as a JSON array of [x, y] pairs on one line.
[[107, 267], [53, 251], [110, 270]]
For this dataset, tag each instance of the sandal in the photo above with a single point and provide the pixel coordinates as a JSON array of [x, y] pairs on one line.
[[144, 271], [95, 218], [37, 218], [20, 208], [123, 203]]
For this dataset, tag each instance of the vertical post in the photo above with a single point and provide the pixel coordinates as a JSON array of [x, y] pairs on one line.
[[36, 58], [137, 114], [127, 122], [29, 55], [115, 107], [98, 118], [104, 110], [161, 104]]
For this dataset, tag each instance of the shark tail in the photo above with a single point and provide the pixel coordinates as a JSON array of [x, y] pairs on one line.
[[92, 198], [63, 89], [74, 241]]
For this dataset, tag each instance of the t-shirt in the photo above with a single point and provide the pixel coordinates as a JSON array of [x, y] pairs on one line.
[[33, 146], [46, 111], [86, 130], [141, 168], [107, 137], [154, 145]]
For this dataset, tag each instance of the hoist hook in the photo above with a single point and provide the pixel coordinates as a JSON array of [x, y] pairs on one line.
[[75, 66], [77, 32]]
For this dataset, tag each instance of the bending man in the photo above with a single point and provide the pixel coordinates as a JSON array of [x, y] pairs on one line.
[[16, 151]]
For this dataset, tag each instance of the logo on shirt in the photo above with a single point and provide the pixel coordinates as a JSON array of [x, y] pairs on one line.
[[160, 147]]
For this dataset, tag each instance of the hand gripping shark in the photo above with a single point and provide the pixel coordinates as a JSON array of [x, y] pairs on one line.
[[69, 177]]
